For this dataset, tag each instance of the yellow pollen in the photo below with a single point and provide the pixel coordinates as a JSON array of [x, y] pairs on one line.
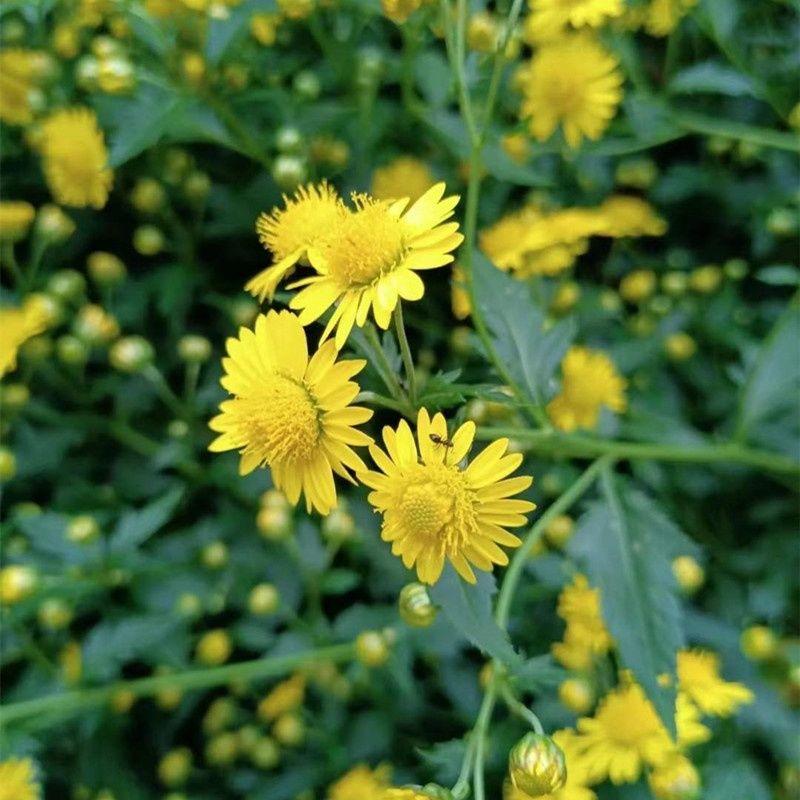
[[436, 505], [282, 422], [371, 243]]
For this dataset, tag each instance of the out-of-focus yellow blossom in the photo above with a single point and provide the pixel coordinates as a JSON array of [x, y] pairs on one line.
[[95, 325], [398, 11], [663, 16], [550, 18], [106, 269], [691, 731], [21, 72], [675, 779], [624, 735], [66, 40], [361, 783], [16, 217], [17, 582], [291, 412], [566, 296], [264, 28], [577, 695], [638, 285], [589, 381], [434, 509], [699, 679], [327, 150], [623, 215], [573, 82], [70, 660], [705, 279], [759, 643], [75, 159], [214, 647], [193, 68], [372, 648], [284, 697], [18, 780], [175, 766], [115, 75], [585, 636], [482, 32], [459, 297], [406, 176], [296, 9], [516, 146], [680, 346], [688, 573], [17, 325]]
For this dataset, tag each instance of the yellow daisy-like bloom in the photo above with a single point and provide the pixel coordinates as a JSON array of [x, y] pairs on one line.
[[623, 216], [308, 219], [577, 785], [590, 381], [699, 678], [549, 18], [17, 325], [361, 783], [663, 16], [75, 158], [16, 217], [20, 72], [18, 780], [624, 735], [372, 261], [676, 779], [573, 82], [579, 607], [434, 508], [284, 697], [690, 729], [404, 177], [291, 412]]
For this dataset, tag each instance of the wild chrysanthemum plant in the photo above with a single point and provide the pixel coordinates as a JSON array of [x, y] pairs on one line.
[[290, 412], [438, 507]]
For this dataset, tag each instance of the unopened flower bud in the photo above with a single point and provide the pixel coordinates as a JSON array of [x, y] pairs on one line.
[[148, 240], [105, 268], [289, 730], [130, 354], [214, 648], [148, 195], [306, 85], [680, 346], [222, 749], [67, 285], [17, 582], [288, 171], [576, 694], [13, 397], [759, 643], [559, 530], [274, 524], [675, 779], [54, 614], [265, 753], [688, 573], [289, 140], [416, 607], [174, 767], [194, 349], [264, 599], [215, 555], [536, 765], [71, 350], [94, 325], [372, 649], [83, 529], [338, 526]]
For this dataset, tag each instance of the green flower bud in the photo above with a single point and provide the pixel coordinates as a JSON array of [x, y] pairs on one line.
[[67, 284], [130, 354], [289, 140], [83, 529], [53, 224], [14, 396], [306, 85], [148, 195], [148, 240], [265, 753], [106, 269], [264, 599], [194, 349], [536, 765], [416, 607], [372, 649], [72, 351], [288, 171], [197, 186]]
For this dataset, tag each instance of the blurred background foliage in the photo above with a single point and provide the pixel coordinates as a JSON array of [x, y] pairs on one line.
[[143, 556]]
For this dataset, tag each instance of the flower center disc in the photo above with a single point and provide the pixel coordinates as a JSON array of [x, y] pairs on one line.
[[370, 243], [283, 419]]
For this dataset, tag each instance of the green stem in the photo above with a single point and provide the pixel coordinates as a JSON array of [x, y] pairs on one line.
[[520, 709], [577, 446], [405, 352], [479, 733], [171, 400], [68, 703], [9, 259], [382, 364], [380, 400]]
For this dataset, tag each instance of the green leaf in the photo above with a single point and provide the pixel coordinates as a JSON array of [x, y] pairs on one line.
[[339, 581], [530, 352], [469, 608], [444, 759], [779, 275], [713, 77], [773, 380], [433, 76], [626, 545], [136, 527], [539, 673]]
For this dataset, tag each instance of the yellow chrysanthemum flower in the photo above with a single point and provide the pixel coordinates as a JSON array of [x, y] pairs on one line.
[[308, 218], [284, 697], [690, 729], [573, 82], [624, 735], [590, 381], [361, 783], [291, 412], [675, 779], [549, 18], [18, 780], [20, 72], [17, 325], [577, 785], [404, 177], [16, 217], [75, 158], [373, 260], [579, 607], [663, 16], [699, 678], [622, 216], [434, 508]]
